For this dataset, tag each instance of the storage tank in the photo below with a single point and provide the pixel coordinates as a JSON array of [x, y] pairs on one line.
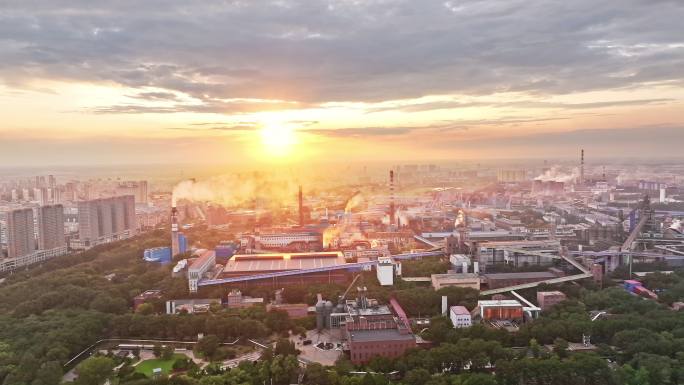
[[328, 311], [320, 315]]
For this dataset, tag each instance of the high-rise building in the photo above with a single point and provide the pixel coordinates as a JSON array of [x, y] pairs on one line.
[[105, 220], [20, 237], [51, 227], [135, 188], [40, 195]]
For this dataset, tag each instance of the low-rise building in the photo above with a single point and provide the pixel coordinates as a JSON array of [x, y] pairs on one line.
[[204, 263], [460, 317], [470, 280], [294, 310], [146, 296], [500, 310], [498, 280], [547, 299]]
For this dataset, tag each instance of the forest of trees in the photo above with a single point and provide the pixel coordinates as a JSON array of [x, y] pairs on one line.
[[51, 312]]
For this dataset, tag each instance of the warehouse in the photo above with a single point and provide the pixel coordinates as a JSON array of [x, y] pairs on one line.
[[253, 264]]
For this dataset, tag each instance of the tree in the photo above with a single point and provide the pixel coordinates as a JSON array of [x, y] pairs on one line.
[[416, 376], [157, 350], [560, 347], [94, 370], [480, 379], [277, 320], [167, 352], [48, 374], [316, 374], [208, 346], [285, 347], [145, 309]]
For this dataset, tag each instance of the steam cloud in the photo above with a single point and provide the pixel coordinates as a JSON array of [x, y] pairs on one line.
[[353, 202], [555, 174], [236, 190]]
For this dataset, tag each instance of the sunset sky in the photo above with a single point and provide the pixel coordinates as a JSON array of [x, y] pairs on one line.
[[97, 82]]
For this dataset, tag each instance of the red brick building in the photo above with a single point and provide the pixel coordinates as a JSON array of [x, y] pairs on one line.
[[547, 299], [374, 332]]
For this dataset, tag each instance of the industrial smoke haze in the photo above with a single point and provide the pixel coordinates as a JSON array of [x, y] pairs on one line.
[[460, 219], [353, 202], [238, 190], [555, 174]]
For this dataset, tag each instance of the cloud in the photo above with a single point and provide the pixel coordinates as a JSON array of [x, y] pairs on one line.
[[649, 141], [317, 52], [239, 127], [448, 126], [206, 106]]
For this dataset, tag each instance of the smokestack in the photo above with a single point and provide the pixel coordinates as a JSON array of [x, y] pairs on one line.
[[175, 247], [582, 168], [391, 219], [301, 207]]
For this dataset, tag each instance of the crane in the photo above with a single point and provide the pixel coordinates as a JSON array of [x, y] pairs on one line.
[[340, 301]]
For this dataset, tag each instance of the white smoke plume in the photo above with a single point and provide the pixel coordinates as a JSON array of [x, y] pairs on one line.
[[460, 219], [353, 202], [556, 174], [238, 190]]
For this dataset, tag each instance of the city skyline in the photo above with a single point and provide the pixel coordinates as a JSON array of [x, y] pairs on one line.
[[288, 82]]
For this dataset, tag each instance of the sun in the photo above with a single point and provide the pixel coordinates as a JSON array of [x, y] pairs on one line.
[[278, 139]]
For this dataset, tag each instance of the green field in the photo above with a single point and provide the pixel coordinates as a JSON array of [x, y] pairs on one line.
[[166, 366]]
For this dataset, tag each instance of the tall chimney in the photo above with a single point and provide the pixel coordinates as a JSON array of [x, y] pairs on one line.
[[582, 168], [391, 218], [301, 207], [175, 247]]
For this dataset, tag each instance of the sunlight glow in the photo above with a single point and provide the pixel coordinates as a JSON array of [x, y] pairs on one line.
[[278, 139]]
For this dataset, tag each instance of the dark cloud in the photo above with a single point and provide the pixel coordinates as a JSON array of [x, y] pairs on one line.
[[321, 51]]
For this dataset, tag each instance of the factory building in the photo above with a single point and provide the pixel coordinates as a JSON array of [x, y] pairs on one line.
[[295, 241], [498, 310], [386, 269], [469, 280], [157, 254], [511, 176], [498, 280], [253, 264], [205, 262], [460, 317], [373, 330], [513, 252], [548, 299]]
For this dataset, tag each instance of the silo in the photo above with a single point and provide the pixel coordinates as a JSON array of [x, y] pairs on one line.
[[320, 315], [328, 312]]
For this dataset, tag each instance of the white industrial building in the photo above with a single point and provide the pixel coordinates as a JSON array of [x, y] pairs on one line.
[[386, 269], [460, 317], [203, 264]]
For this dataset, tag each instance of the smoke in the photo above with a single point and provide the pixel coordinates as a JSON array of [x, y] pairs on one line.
[[555, 174], [238, 190], [331, 236], [460, 219], [353, 202]]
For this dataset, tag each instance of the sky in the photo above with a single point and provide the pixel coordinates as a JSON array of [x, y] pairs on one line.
[[236, 82]]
